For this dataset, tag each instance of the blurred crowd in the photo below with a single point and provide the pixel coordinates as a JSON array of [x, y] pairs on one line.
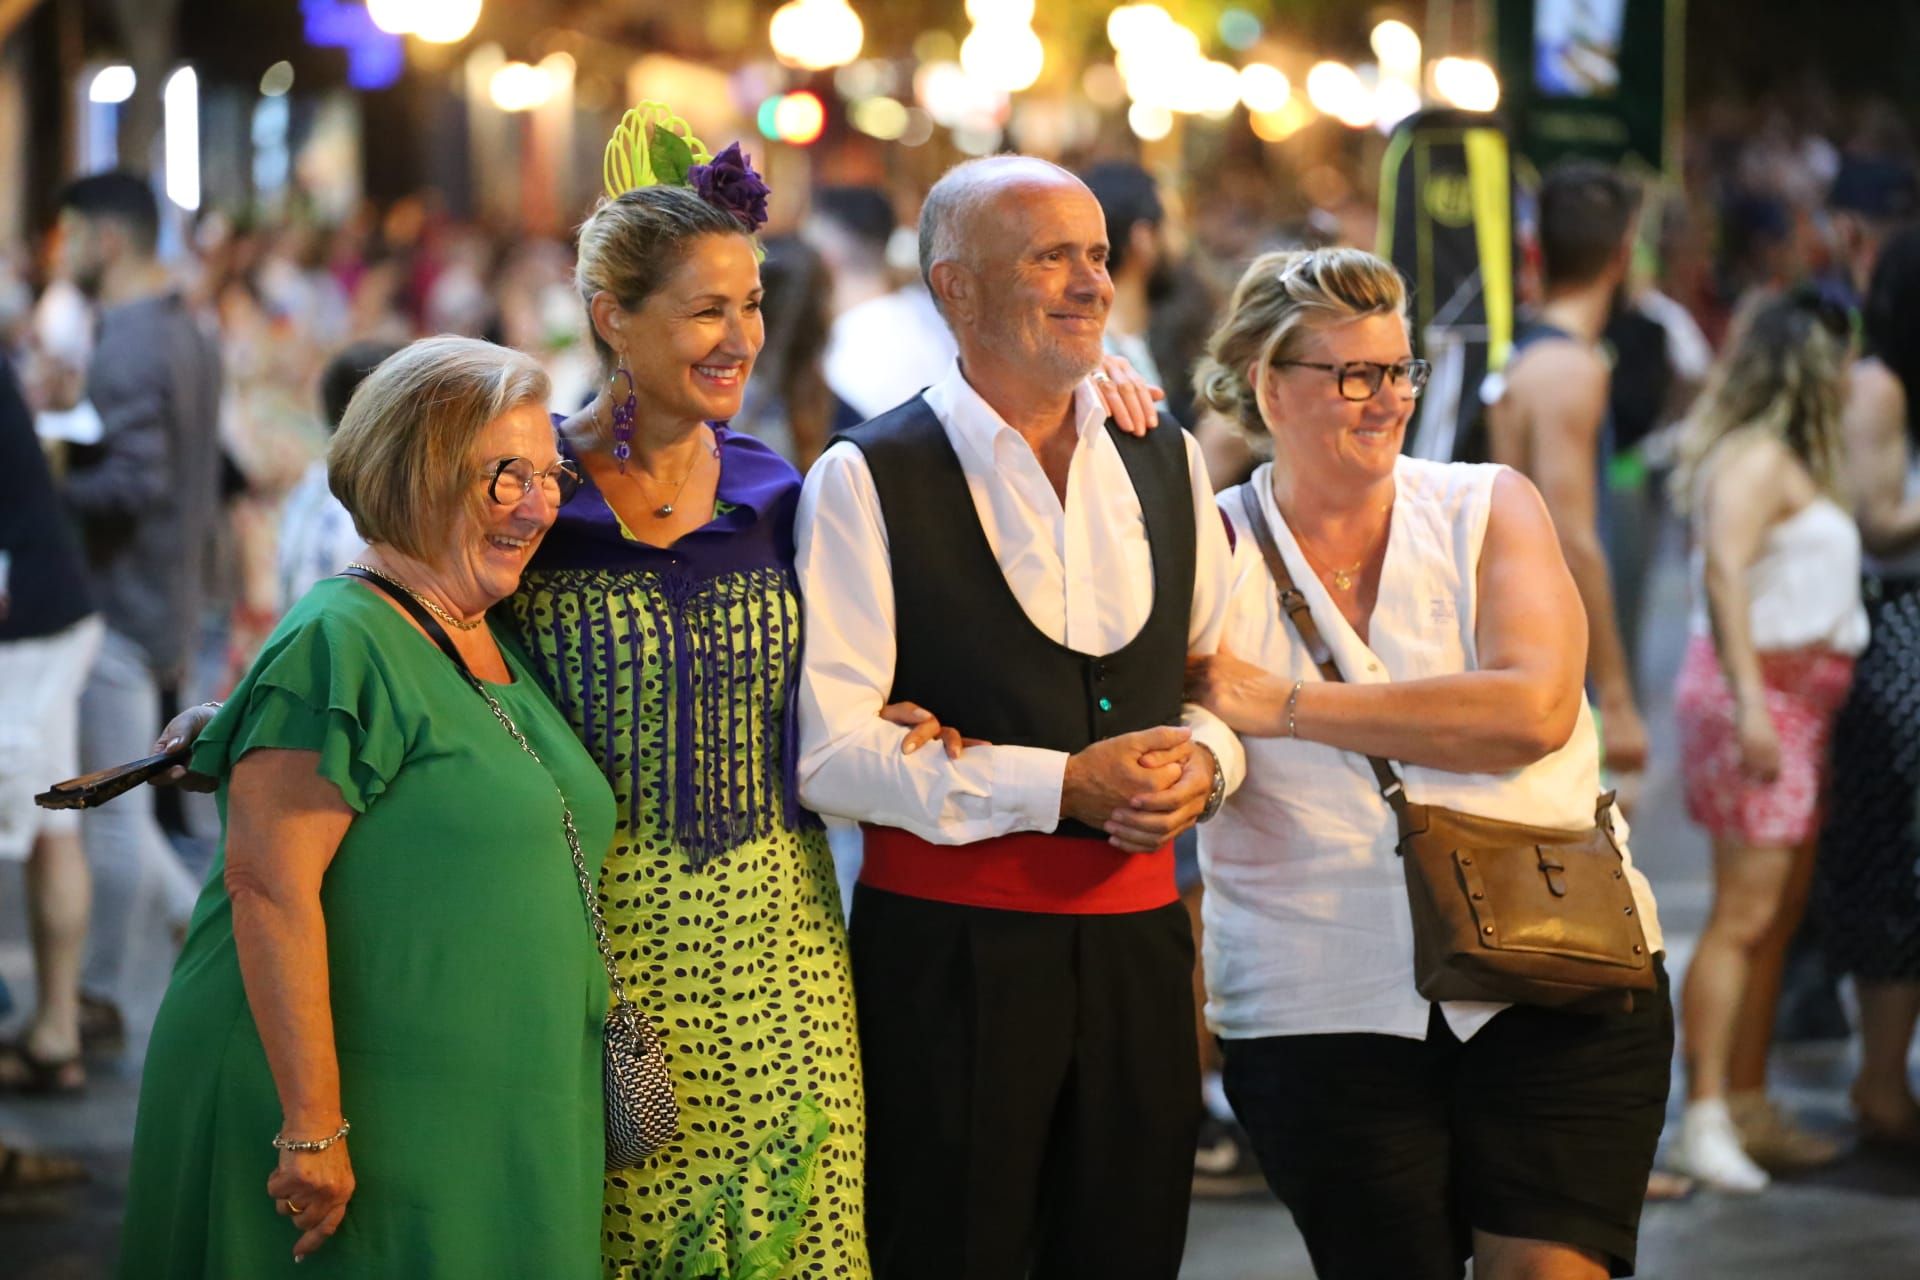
[[1799, 190]]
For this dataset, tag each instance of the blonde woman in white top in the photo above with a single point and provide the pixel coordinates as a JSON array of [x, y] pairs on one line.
[[1777, 623], [1403, 1136]]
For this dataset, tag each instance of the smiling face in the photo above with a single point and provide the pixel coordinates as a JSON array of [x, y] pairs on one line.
[[1039, 290], [488, 544], [692, 342], [1326, 437]]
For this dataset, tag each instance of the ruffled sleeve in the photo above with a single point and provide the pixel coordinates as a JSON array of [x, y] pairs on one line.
[[316, 687]]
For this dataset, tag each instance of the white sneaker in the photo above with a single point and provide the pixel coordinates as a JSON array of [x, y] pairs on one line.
[[1710, 1150]]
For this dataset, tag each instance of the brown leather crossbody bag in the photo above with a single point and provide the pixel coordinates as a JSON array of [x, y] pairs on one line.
[[1501, 911]]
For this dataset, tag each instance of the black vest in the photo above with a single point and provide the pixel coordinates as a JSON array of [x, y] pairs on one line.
[[967, 651]]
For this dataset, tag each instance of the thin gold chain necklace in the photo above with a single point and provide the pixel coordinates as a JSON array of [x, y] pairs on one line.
[[457, 624], [665, 509], [1343, 579]]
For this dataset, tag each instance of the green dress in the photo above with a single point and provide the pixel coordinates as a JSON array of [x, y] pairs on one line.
[[466, 991], [676, 667]]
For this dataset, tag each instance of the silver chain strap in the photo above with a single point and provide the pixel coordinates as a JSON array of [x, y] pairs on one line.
[[587, 892]]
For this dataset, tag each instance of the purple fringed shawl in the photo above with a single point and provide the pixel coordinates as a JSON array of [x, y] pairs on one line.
[[746, 549]]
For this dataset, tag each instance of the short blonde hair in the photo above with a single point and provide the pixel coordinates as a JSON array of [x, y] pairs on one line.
[[402, 461], [1281, 297]]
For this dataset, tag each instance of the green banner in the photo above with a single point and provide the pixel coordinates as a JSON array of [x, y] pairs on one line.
[[1594, 78]]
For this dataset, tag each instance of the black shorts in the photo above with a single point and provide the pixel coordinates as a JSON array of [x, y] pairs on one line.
[[1390, 1152]]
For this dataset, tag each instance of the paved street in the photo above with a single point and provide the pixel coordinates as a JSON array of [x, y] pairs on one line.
[[1857, 1221]]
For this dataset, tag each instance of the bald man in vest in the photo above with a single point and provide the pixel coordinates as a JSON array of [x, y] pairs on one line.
[[999, 553]]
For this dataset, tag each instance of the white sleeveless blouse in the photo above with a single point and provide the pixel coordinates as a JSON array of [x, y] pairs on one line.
[[1306, 918]]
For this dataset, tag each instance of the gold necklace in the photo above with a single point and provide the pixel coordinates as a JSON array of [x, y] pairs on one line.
[[1342, 578], [456, 623]]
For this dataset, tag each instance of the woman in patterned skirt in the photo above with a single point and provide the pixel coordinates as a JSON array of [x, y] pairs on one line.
[[1869, 877], [1777, 621]]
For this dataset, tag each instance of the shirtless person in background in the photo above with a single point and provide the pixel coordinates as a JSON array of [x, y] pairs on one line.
[[1550, 421]]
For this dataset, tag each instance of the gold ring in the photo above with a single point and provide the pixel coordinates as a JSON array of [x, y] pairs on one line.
[[292, 1207]]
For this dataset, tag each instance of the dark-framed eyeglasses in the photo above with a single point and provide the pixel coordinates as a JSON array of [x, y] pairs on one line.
[[511, 479], [1361, 379]]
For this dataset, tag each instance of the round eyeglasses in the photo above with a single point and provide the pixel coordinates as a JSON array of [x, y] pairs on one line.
[[511, 479], [1361, 379]]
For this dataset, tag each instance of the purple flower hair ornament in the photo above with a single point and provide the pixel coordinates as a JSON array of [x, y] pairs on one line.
[[730, 183], [655, 147]]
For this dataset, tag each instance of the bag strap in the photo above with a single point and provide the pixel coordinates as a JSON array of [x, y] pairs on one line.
[[431, 625], [415, 610], [1293, 603]]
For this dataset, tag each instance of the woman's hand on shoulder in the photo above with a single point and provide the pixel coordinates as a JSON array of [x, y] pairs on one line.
[[1129, 397], [312, 1188]]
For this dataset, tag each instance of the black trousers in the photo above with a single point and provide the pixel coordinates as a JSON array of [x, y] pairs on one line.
[[1032, 1090]]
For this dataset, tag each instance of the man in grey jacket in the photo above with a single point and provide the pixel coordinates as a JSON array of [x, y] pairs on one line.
[[146, 499]]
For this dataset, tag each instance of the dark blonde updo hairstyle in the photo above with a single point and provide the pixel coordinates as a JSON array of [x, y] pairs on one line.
[[1281, 298], [631, 243]]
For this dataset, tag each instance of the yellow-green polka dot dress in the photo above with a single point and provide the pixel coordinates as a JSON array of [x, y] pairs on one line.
[[676, 669]]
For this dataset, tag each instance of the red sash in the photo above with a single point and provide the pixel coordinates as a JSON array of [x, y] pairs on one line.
[[1061, 875]]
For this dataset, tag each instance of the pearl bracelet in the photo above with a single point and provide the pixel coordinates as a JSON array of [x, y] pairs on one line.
[[316, 1144], [1293, 703]]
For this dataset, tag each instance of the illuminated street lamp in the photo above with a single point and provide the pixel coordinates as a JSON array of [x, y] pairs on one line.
[[1467, 83], [520, 86], [1336, 89], [816, 34], [1004, 56], [986, 13], [434, 21], [1397, 46], [110, 84], [1148, 122], [1264, 88]]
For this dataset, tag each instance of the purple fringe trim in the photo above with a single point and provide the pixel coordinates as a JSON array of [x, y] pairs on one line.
[[732, 645]]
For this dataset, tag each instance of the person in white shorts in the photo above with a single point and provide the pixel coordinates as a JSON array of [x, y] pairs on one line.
[[49, 636]]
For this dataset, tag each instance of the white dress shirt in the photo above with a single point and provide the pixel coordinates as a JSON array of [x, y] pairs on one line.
[[1307, 926], [1081, 570]]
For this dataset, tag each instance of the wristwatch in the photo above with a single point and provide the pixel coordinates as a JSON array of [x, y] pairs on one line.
[[1217, 795]]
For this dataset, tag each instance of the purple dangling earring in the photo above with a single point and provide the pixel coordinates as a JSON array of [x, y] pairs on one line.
[[624, 412]]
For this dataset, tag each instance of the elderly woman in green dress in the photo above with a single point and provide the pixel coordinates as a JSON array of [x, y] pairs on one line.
[[394, 941]]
